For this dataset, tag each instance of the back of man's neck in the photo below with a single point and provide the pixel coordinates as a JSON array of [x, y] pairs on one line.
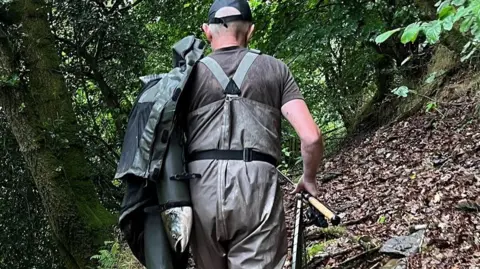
[[227, 44]]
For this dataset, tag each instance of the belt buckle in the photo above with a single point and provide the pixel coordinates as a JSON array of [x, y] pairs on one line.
[[247, 154]]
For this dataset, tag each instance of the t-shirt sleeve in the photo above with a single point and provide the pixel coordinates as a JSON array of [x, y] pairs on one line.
[[290, 90]]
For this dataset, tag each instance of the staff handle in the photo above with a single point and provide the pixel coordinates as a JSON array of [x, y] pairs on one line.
[[334, 218]]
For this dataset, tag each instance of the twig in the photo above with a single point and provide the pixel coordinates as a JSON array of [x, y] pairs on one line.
[[115, 6], [130, 6], [320, 258], [341, 265], [100, 4], [357, 221], [375, 265], [330, 176]]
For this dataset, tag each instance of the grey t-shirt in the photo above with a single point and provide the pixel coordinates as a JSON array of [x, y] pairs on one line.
[[268, 81]]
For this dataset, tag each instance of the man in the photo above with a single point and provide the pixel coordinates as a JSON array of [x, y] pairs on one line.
[[237, 99]]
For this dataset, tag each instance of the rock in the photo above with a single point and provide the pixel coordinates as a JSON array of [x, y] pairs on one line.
[[468, 205], [404, 245]]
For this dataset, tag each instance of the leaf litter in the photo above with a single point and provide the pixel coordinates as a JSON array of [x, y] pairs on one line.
[[421, 172]]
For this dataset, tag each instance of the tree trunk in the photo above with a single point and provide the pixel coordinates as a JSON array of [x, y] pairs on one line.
[[42, 119]]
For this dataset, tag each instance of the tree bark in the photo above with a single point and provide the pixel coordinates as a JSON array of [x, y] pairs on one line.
[[43, 122]]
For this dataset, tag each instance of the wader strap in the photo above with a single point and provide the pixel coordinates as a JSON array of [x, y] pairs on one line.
[[217, 71], [246, 155], [231, 85], [243, 68]]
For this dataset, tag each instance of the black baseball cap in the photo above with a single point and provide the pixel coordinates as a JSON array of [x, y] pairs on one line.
[[240, 5]]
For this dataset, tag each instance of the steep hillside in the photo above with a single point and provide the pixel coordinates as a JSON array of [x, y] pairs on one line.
[[424, 170]]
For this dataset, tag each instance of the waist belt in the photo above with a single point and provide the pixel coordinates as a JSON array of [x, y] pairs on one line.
[[246, 155]]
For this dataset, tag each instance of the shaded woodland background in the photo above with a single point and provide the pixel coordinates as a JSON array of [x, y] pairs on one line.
[[69, 76]]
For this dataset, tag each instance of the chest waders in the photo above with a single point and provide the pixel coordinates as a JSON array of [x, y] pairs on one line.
[[234, 143], [231, 88]]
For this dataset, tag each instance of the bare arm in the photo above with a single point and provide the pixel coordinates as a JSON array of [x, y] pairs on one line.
[[298, 115]]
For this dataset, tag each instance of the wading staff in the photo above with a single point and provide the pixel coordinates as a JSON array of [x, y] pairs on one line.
[[322, 208]]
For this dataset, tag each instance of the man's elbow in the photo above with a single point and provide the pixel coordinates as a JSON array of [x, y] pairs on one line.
[[314, 139]]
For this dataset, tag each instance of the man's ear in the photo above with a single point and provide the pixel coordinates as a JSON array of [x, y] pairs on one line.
[[251, 29], [207, 32]]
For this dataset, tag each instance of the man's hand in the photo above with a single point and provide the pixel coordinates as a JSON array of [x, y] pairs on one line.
[[308, 185]]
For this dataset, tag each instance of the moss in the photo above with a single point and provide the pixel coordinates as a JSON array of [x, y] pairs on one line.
[[334, 231], [98, 220], [318, 248]]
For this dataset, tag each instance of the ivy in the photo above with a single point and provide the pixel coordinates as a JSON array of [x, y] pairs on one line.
[[10, 81], [411, 32], [401, 91]]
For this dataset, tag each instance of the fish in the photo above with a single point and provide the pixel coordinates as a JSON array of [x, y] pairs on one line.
[[177, 222]]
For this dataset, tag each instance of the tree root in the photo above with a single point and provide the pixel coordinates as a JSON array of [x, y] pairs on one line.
[[316, 261], [356, 257]]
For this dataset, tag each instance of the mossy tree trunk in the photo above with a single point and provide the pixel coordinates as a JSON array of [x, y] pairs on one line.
[[41, 116]]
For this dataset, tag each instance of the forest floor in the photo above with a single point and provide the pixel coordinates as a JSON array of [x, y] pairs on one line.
[[424, 170]]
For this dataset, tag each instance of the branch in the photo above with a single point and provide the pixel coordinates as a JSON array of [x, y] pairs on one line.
[[130, 6], [109, 95], [92, 36], [107, 146], [100, 4], [342, 264], [66, 41], [97, 128], [357, 221], [100, 44], [315, 262], [115, 6], [2, 33]]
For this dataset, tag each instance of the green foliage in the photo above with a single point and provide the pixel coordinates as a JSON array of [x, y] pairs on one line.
[[115, 256], [401, 91], [108, 257], [382, 219], [449, 12], [410, 33], [431, 106], [317, 248], [381, 38], [10, 81]]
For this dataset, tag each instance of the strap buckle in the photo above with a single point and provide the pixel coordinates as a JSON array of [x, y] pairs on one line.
[[247, 154], [185, 176]]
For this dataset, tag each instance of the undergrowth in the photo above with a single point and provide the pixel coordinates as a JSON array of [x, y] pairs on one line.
[[116, 255]]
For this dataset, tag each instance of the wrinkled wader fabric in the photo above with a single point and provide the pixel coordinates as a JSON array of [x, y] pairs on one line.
[[239, 219]]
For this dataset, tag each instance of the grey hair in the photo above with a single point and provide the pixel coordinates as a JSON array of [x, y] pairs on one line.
[[235, 28]]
